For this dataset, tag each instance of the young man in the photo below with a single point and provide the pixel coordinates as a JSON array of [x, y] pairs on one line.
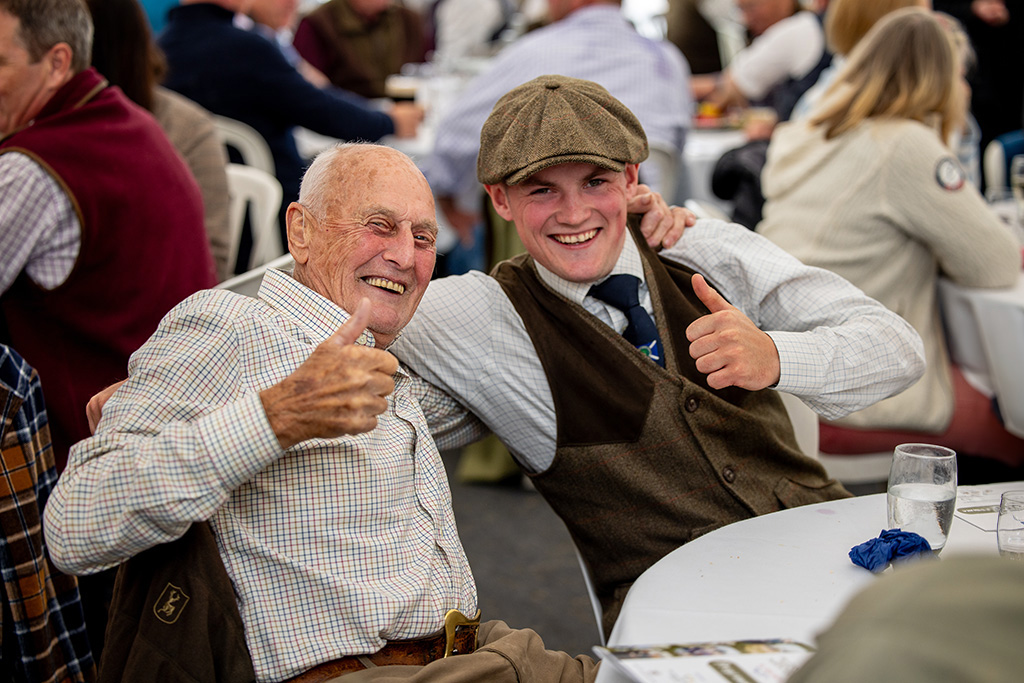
[[639, 457]]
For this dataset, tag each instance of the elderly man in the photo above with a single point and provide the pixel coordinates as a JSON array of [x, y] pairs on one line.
[[645, 441], [101, 222], [586, 39], [284, 425]]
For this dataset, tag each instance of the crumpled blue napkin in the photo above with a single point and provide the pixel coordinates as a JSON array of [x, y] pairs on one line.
[[891, 544]]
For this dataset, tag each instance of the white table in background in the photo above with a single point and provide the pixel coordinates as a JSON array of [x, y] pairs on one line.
[[781, 575], [703, 149]]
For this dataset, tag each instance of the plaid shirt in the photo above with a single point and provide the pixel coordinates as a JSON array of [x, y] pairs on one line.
[[332, 546], [48, 626]]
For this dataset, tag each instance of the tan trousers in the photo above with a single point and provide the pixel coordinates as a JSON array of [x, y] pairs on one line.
[[503, 655]]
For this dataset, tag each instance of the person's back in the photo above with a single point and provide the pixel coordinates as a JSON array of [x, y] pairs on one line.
[[594, 42], [357, 44], [883, 202], [124, 52], [241, 75]]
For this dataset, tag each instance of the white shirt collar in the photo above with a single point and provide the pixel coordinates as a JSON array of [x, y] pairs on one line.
[[629, 262]]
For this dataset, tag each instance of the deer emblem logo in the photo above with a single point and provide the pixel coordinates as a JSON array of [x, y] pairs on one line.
[[169, 605]]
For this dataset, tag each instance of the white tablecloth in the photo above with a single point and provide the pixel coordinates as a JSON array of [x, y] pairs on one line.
[[782, 575]]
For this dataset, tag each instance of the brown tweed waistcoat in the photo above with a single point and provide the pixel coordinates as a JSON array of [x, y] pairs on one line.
[[649, 458]]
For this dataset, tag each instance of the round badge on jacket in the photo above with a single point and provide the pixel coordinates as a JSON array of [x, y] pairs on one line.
[[949, 174]]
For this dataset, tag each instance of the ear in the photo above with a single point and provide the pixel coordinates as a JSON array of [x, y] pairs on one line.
[[632, 172], [499, 198], [58, 61], [298, 232]]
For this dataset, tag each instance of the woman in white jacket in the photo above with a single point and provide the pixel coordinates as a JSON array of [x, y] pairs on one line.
[[867, 187]]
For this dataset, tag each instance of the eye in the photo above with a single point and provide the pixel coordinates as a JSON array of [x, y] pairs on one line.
[[540, 191], [425, 238], [596, 182]]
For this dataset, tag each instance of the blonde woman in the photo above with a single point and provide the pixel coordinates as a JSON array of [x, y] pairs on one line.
[[846, 22], [867, 187]]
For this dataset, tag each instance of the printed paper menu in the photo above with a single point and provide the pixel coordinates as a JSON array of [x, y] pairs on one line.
[[741, 661]]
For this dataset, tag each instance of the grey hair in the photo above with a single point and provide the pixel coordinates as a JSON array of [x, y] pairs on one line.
[[44, 23]]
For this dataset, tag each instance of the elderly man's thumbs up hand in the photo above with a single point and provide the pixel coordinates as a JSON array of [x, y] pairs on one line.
[[339, 390], [728, 347]]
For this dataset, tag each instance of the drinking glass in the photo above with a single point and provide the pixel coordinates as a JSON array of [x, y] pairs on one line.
[[922, 491], [1017, 184], [1010, 527]]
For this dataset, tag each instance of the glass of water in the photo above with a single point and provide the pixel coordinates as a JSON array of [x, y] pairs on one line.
[[1010, 527], [1017, 184], [922, 491]]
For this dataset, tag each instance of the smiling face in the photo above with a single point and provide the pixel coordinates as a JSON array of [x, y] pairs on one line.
[[376, 239], [570, 217]]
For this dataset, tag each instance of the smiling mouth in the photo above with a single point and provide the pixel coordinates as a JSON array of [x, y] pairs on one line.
[[385, 284], [576, 239]]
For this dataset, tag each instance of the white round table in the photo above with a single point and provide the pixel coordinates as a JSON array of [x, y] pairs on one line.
[[781, 575]]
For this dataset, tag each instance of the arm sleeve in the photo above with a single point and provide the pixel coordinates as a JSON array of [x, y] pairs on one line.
[[771, 58], [281, 89], [839, 350], [175, 440], [39, 229], [929, 189]]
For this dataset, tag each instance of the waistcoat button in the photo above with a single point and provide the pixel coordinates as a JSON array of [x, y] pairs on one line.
[[729, 474], [691, 404]]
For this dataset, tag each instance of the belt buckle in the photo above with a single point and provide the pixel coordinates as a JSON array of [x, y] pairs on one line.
[[453, 621]]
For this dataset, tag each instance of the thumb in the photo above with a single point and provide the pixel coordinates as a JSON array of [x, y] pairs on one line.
[[354, 326], [708, 295]]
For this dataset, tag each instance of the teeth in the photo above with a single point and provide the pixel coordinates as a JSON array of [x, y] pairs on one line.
[[385, 284], [576, 239]]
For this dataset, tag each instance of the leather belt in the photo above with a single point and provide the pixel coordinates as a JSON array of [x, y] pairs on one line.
[[458, 637]]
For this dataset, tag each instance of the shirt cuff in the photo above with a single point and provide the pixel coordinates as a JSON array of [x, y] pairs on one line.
[[802, 370]]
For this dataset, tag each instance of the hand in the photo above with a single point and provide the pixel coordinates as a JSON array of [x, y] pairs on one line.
[[662, 225], [728, 347], [94, 408], [406, 117], [339, 390], [992, 12]]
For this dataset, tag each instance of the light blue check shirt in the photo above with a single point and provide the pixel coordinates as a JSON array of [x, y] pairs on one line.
[[839, 350], [595, 43], [332, 546]]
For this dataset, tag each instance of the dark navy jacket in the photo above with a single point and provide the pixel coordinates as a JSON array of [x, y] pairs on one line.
[[242, 75]]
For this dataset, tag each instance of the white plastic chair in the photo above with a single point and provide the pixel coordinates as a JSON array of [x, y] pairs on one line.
[[260, 191], [250, 144], [248, 283]]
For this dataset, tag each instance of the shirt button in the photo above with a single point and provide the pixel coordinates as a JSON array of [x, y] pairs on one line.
[[691, 404], [729, 474]]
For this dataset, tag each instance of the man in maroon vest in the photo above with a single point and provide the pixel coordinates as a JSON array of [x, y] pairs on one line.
[[101, 223]]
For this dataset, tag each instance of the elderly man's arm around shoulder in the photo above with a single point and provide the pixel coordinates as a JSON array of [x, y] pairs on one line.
[[194, 422], [775, 322]]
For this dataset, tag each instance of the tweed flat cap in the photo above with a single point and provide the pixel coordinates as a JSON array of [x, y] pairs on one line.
[[555, 120]]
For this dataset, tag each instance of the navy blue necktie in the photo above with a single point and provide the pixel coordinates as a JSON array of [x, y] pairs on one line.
[[622, 292]]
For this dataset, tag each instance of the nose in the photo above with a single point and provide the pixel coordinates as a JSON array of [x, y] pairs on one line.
[[573, 209], [401, 248]]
